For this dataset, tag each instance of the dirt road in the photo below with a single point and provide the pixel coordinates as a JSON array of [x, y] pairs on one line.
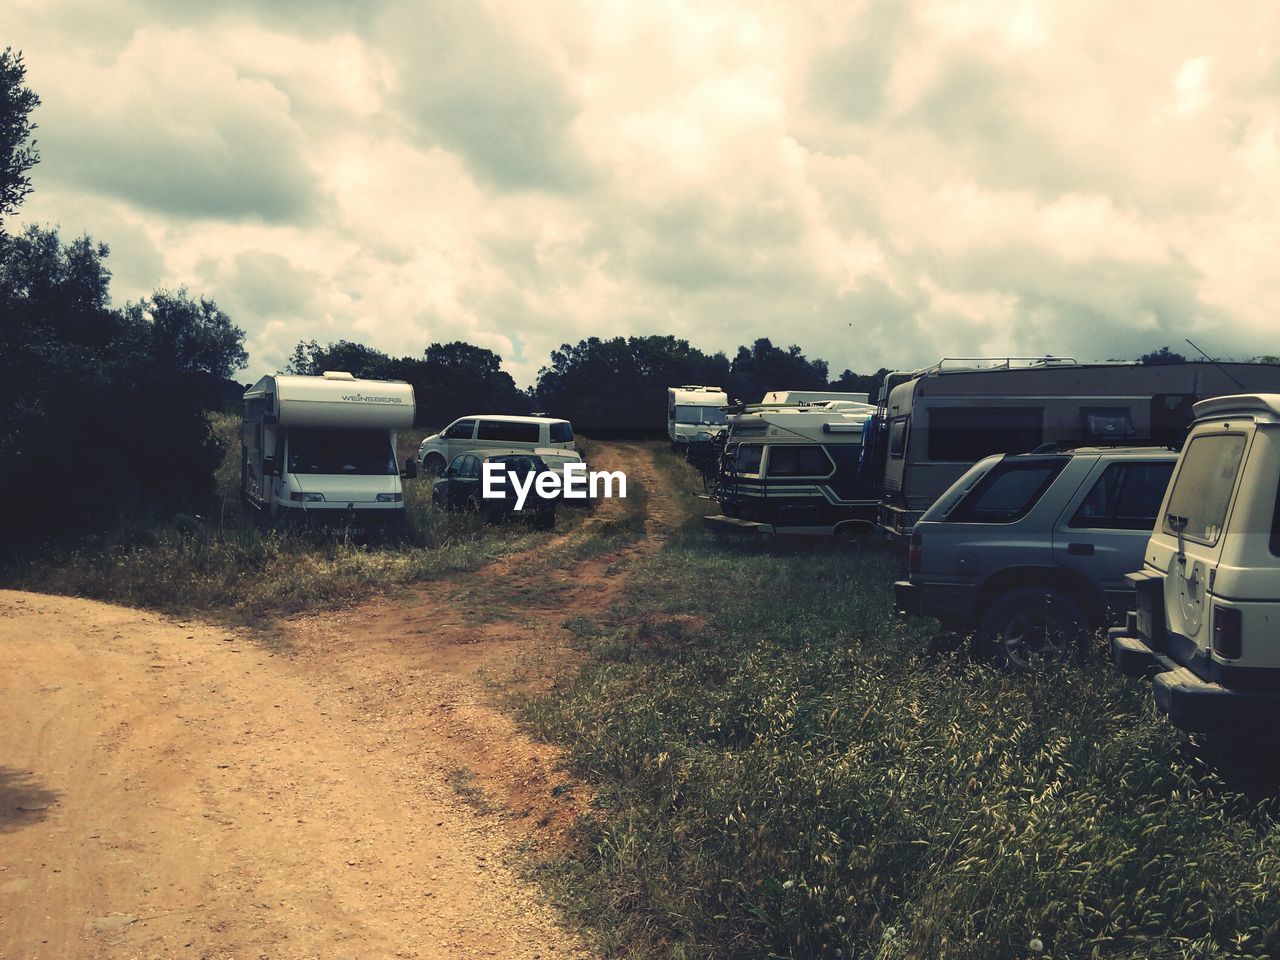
[[174, 789]]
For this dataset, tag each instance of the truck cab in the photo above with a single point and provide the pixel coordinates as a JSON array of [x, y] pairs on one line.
[[1206, 628]]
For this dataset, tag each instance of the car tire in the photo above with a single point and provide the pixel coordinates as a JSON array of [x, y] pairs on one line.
[[433, 464], [1030, 627]]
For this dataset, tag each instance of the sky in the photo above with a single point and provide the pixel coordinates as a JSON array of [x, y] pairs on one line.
[[883, 183]]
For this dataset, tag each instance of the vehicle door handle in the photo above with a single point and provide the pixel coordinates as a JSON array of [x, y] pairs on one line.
[[1080, 549]]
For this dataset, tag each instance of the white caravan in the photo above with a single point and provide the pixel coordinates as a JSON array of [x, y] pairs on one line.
[[694, 409], [325, 446], [813, 396]]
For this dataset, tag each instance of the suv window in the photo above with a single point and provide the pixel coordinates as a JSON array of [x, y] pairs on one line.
[[968, 434], [798, 460], [1202, 489], [1275, 526], [1126, 497], [509, 431], [561, 433], [461, 430], [1008, 491]]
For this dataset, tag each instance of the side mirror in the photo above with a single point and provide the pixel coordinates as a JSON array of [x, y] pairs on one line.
[[451, 472], [410, 469], [269, 466]]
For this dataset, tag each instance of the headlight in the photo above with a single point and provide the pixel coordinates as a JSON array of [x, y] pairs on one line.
[[390, 497], [307, 497]]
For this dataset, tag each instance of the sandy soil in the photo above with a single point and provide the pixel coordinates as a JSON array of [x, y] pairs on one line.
[[175, 789]]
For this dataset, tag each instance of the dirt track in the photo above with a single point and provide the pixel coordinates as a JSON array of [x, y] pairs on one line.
[[173, 789]]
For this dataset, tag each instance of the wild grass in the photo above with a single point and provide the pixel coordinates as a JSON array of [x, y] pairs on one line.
[[223, 567], [785, 770]]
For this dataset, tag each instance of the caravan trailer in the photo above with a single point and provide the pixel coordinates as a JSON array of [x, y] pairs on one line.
[[694, 409], [795, 469], [325, 447], [932, 424]]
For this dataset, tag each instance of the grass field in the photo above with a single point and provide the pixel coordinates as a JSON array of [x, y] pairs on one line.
[[783, 769], [223, 567]]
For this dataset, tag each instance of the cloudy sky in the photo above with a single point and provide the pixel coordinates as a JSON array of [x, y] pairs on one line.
[[882, 182]]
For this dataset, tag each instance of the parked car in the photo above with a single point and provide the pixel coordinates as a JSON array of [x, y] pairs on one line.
[[1030, 551], [483, 433], [1206, 625], [461, 488]]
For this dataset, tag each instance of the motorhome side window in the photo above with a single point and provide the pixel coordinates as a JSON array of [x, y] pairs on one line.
[[461, 430], [364, 452], [798, 460], [1008, 492], [748, 458], [898, 436], [1202, 490], [1126, 497], [966, 434], [561, 433], [508, 431]]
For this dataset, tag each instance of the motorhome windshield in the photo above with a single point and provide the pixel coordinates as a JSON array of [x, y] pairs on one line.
[[363, 452], [690, 414]]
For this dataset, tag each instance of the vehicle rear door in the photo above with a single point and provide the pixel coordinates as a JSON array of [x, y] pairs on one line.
[[1103, 529], [1199, 501]]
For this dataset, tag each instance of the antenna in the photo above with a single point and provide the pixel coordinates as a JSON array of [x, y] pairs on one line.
[[1219, 366]]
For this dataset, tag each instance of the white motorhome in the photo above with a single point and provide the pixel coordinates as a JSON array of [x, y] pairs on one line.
[[1207, 625], [325, 446], [796, 470], [932, 424], [694, 409], [813, 396]]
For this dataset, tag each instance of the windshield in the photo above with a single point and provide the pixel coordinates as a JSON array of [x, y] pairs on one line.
[[687, 414], [363, 452]]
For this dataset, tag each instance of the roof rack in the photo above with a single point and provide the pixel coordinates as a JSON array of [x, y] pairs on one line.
[[1118, 443]]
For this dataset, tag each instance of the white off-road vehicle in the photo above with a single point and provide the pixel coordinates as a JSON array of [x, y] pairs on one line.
[[1207, 624]]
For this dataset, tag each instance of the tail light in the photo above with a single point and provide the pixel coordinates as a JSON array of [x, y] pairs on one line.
[[1227, 633], [915, 553]]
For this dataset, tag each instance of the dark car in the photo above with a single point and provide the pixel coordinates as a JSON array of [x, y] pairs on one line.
[[462, 488]]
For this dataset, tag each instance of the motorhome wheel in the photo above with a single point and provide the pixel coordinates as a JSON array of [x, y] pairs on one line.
[[1030, 627]]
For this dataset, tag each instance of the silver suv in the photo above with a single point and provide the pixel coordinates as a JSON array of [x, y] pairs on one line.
[[1030, 551]]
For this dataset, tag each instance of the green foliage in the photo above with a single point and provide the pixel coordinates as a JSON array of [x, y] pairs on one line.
[[450, 380], [620, 385], [785, 770], [17, 156], [763, 367]]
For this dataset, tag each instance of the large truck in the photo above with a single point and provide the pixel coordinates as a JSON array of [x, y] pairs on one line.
[[693, 410], [325, 447], [932, 424], [795, 470]]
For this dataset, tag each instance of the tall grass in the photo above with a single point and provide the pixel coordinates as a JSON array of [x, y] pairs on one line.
[[222, 566], [785, 770]]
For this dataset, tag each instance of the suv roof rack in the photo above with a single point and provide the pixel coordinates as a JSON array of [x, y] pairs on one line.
[[1119, 443]]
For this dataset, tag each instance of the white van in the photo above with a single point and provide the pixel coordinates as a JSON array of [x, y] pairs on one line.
[[1207, 624], [508, 434], [325, 446]]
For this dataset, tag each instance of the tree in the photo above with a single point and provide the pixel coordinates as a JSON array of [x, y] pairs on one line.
[[17, 156], [619, 385], [1162, 356], [850, 382], [763, 367]]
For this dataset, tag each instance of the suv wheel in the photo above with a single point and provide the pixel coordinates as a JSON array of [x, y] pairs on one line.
[[1030, 627], [433, 464]]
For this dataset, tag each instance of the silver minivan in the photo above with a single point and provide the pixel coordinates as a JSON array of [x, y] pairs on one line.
[[1206, 623], [489, 432]]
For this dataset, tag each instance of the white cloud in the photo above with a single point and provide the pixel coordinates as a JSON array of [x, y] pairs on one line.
[[881, 181]]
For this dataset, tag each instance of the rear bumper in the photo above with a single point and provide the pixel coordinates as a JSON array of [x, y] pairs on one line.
[[948, 602], [1191, 703]]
